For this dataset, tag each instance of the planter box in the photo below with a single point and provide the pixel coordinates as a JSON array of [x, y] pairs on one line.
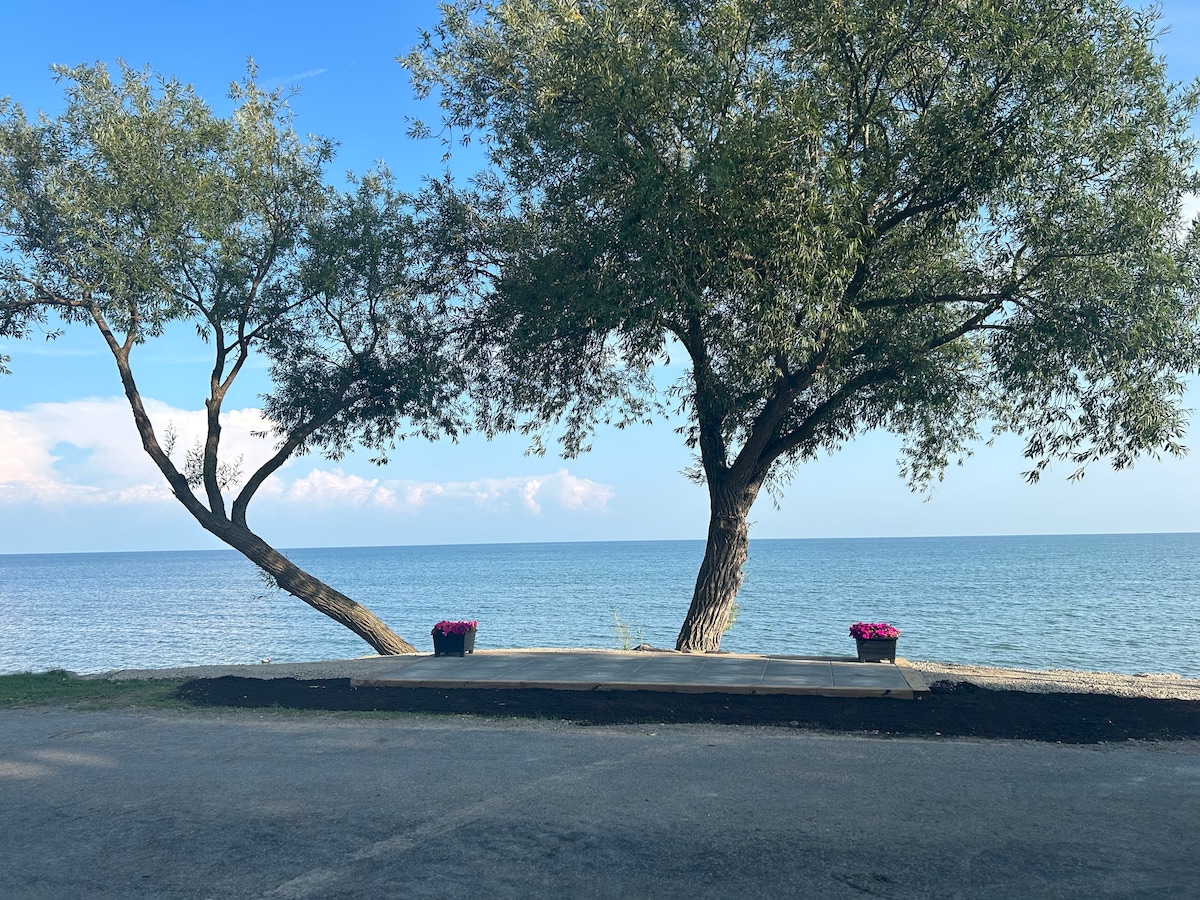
[[456, 644], [877, 650]]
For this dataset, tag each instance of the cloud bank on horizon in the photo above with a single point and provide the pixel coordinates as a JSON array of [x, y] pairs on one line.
[[88, 452]]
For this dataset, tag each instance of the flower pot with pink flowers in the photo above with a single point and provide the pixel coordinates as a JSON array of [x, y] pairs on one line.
[[876, 641], [450, 638]]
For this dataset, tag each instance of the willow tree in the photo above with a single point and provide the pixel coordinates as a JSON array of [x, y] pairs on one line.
[[137, 208], [935, 218]]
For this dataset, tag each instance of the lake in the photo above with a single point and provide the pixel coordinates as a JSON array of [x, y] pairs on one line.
[[1121, 603]]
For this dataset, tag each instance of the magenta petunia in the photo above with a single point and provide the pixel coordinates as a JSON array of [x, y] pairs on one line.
[[461, 627], [874, 631]]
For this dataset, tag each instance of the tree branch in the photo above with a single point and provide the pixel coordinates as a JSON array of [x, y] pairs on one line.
[[296, 438], [145, 427]]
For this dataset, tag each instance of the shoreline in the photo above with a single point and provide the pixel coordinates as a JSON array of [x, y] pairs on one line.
[[1166, 686]]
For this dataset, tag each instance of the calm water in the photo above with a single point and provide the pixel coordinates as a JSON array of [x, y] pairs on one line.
[[1122, 603]]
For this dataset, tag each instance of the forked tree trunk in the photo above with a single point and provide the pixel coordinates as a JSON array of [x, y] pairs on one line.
[[234, 532], [721, 572], [312, 591]]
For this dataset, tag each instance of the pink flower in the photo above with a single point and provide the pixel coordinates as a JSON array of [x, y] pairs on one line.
[[874, 631], [448, 628]]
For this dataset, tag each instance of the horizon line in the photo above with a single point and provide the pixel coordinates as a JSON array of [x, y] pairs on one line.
[[701, 541]]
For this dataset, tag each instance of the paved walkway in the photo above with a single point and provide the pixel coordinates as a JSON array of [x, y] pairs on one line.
[[577, 670]]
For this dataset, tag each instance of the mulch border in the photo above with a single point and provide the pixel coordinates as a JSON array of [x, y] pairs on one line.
[[949, 709]]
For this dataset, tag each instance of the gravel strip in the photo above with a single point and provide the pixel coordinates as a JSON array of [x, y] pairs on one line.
[[328, 668], [1154, 685]]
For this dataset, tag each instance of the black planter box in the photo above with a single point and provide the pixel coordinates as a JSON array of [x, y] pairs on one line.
[[876, 650], [458, 644]]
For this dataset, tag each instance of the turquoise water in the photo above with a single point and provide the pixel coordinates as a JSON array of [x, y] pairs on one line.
[[1122, 603]]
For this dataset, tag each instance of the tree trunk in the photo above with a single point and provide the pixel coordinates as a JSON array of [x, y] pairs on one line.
[[721, 572], [312, 591], [289, 576]]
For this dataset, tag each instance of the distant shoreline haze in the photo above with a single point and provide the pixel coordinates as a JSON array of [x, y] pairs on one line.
[[697, 541]]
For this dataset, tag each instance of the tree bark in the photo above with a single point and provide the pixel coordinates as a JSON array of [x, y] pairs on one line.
[[720, 574], [289, 576], [313, 591]]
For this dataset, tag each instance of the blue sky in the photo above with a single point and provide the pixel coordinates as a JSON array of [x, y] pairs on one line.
[[73, 477]]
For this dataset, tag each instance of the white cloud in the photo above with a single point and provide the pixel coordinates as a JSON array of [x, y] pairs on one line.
[[529, 492], [297, 76], [580, 493], [337, 488], [111, 466], [324, 488], [88, 452], [560, 488]]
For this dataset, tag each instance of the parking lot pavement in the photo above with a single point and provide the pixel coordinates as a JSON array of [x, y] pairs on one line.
[[254, 803]]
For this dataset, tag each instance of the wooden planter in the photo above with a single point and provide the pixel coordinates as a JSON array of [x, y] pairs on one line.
[[878, 650]]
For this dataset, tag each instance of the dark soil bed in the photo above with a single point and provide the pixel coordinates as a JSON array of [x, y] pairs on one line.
[[949, 710]]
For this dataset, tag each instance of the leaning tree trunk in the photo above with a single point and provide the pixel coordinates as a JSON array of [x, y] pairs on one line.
[[316, 593], [721, 572], [234, 532]]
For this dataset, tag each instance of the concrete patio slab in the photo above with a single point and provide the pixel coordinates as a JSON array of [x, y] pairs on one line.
[[601, 670]]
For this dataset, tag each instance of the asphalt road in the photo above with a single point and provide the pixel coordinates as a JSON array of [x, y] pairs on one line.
[[230, 804]]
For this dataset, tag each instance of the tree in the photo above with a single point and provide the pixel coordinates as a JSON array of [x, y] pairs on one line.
[[138, 207], [935, 218]]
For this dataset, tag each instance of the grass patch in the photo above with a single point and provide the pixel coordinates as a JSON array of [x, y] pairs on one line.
[[62, 688]]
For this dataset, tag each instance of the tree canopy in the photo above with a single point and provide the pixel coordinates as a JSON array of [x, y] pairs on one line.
[[939, 219], [138, 207]]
